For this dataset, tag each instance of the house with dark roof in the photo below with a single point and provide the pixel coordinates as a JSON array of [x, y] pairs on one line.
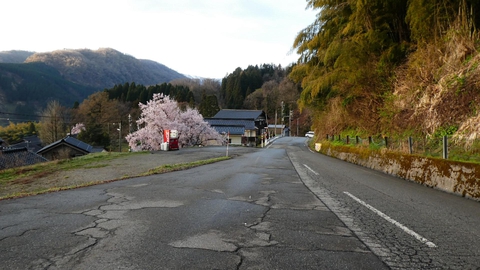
[[17, 157], [67, 147], [276, 130], [32, 143], [244, 126]]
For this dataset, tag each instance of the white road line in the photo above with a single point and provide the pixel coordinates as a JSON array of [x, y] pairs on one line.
[[340, 211], [310, 169], [394, 222]]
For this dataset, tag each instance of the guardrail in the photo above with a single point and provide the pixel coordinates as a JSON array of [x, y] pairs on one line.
[[446, 147]]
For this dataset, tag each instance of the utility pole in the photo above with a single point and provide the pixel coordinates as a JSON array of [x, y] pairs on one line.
[[283, 108], [297, 126], [275, 123], [290, 121], [119, 136], [283, 118]]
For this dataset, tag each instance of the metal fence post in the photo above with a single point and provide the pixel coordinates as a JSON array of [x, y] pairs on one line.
[[386, 142], [357, 140], [369, 139], [410, 145], [445, 147], [348, 139]]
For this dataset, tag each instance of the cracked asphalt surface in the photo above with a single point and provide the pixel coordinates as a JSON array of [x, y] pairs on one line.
[[281, 207], [249, 212]]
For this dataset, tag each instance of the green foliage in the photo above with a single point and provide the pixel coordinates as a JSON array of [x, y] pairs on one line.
[[15, 132], [34, 85], [429, 20], [445, 131], [95, 134], [351, 53], [241, 83], [131, 92], [69, 76], [209, 105]]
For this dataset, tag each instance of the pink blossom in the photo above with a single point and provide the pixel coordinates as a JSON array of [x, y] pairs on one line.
[[77, 129], [163, 113]]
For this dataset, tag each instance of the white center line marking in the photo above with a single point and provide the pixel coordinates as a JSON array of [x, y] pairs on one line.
[[310, 169], [394, 222]]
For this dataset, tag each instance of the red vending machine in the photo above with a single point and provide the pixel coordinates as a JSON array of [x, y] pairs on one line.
[[170, 140], [173, 139]]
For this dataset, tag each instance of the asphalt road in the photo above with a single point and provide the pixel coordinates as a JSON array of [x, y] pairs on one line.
[[281, 207], [408, 226]]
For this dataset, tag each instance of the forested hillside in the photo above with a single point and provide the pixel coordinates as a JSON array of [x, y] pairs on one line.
[[68, 76], [266, 87], [105, 67], [14, 56], [391, 67], [136, 93], [26, 88]]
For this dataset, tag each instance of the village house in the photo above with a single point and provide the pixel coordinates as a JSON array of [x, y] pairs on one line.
[[67, 147], [17, 157], [32, 143], [244, 127], [276, 130]]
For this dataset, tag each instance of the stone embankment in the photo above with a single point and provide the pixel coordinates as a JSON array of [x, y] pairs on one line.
[[455, 177]]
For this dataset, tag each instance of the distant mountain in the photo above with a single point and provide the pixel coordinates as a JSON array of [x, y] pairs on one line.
[[14, 56], [68, 76], [25, 89], [104, 68]]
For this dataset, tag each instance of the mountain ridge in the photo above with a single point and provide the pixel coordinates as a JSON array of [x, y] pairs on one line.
[[70, 75], [14, 56], [105, 67]]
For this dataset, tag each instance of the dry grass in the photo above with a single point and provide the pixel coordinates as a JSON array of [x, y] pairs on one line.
[[439, 85], [76, 173]]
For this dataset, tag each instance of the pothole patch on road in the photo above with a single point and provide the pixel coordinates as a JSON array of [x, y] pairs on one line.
[[210, 241], [139, 205]]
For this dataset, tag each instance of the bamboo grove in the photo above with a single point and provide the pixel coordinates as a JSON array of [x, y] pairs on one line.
[[368, 65]]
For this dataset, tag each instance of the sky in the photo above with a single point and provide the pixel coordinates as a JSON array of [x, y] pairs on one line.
[[203, 38]]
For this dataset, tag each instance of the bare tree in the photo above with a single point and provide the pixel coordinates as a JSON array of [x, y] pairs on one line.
[[54, 123]]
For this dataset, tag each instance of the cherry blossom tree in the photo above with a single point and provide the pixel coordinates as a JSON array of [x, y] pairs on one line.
[[79, 127], [162, 113], [194, 130]]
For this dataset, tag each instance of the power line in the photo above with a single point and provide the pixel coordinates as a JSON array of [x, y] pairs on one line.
[[27, 115]]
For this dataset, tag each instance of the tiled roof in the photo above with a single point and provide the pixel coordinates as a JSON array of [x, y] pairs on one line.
[[79, 144], [233, 130], [247, 124], [10, 158], [32, 143], [71, 141], [235, 122], [238, 114]]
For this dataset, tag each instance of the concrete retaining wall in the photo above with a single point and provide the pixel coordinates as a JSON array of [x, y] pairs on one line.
[[450, 176]]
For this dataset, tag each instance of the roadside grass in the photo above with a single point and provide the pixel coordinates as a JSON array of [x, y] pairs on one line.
[[25, 175], [28, 173], [182, 166]]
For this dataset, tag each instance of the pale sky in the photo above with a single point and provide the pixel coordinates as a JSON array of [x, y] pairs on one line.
[[205, 38]]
